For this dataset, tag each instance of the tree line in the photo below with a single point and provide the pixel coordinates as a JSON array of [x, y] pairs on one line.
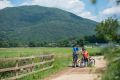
[[61, 43], [106, 31]]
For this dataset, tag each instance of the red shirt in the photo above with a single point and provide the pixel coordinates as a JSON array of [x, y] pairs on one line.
[[85, 54]]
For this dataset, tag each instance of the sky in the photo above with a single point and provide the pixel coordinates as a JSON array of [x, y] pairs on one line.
[[84, 8]]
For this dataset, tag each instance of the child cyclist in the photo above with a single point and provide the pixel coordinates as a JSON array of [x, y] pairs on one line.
[[85, 56]]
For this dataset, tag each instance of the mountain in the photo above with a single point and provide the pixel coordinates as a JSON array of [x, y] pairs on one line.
[[36, 23]]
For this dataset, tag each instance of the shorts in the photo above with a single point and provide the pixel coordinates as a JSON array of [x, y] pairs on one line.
[[75, 57], [86, 59]]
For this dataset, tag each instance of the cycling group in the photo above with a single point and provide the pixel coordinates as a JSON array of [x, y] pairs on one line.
[[85, 61]]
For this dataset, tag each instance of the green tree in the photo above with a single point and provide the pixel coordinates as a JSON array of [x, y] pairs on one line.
[[81, 42], [63, 43], [4, 44], [32, 44], [95, 1], [107, 29], [14, 44]]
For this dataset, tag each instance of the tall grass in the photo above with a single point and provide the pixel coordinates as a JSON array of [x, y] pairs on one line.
[[113, 69]]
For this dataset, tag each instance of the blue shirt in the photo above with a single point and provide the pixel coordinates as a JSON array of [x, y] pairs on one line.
[[75, 49]]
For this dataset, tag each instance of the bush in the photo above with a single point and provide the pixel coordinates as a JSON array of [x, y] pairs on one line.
[[113, 70]]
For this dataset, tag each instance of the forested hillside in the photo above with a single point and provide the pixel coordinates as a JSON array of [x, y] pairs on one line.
[[36, 23]]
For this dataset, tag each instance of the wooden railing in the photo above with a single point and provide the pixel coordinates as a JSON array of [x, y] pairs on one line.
[[25, 66]]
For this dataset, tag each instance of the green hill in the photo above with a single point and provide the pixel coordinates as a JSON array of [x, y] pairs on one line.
[[36, 23]]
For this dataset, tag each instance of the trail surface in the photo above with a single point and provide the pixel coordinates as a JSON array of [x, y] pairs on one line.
[[81, 73]]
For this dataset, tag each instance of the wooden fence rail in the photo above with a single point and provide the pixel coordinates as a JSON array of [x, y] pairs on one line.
[[27, 69]]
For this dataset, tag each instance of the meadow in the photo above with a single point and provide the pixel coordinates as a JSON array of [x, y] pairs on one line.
[[63, 57], [58, 51]]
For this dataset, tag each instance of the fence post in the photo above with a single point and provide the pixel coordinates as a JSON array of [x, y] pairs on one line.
[[32, 58], [16, 71], [42, 61]]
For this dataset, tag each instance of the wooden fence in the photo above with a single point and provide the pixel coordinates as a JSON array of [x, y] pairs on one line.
[[23, 66]]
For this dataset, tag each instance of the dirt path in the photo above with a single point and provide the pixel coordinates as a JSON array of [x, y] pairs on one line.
[[82, 73]]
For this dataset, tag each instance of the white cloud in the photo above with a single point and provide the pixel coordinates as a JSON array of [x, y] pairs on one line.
[[88, 15], [5, 3], [69, 5], [112, 10], [75, 6]]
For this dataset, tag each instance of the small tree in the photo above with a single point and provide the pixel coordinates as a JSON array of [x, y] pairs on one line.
[[63, 43], [107, 29], [32, 44], [4, 44], [81, 42]]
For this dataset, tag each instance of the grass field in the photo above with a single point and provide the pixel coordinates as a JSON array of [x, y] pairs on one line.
[[63, 57], [13, 52]]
